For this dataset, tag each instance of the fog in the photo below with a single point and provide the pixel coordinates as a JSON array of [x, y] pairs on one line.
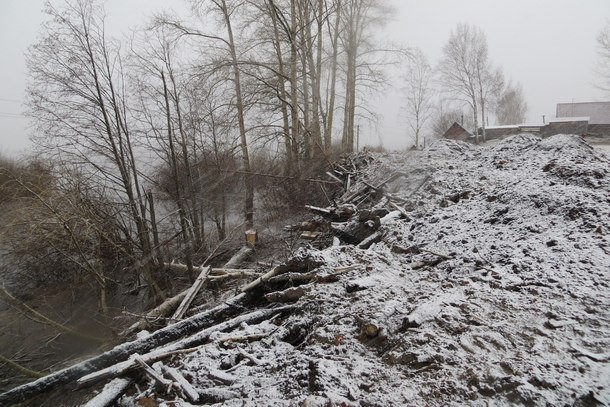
[[548, 46]]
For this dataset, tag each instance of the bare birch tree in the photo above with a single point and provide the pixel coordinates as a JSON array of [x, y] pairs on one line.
[[463, 55], [418, 92]]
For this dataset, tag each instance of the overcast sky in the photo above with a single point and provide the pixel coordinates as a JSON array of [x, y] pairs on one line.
[[547, 45]]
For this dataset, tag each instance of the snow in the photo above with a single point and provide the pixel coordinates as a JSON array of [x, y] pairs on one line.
[[518, 314], [569, 119]]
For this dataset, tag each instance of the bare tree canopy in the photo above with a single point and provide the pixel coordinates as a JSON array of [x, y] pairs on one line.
[[603, 65], [418, 94], [511, 107], [466, 72]]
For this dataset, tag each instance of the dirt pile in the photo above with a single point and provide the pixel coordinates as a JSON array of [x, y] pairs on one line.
[[492, 284]]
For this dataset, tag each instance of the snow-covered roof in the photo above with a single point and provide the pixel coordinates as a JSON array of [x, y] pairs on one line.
[[506, 126], [569, 119]]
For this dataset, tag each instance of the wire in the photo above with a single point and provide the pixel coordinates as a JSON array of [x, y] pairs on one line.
[[11, 100]]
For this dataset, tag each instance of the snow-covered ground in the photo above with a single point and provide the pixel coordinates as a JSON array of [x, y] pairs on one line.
[[494, 291]]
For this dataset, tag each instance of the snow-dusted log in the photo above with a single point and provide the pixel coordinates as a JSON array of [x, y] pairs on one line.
[[191, 293], [273, 272], [189, 391], [109, 394], [123, 351], [167, 307], [186, 345], [153, 374], [239, 257], [289, 295]]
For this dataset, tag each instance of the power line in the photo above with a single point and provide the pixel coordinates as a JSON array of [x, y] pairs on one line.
[[11, 100]]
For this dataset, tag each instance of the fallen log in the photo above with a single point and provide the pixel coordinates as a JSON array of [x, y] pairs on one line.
[[191, 293], [239, 257], [121, 352], [273, 272], [189, 391], [109, 394], [166, 308], [152, 373], [289, 295], [185, 345]]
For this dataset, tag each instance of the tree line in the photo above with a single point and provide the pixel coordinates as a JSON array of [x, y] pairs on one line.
[[464, 87], [150, 139]]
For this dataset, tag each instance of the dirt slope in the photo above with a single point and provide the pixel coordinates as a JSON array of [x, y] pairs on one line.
[[515, 311]]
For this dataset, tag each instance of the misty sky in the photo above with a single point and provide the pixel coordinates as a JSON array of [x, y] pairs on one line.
[[547, 45]]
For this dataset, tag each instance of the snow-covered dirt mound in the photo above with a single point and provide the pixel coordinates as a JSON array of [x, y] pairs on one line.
[[457, 275], [495, 287]]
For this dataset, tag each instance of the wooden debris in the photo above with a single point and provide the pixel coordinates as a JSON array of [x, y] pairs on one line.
[[110, 393], [123, 351], [239, 257], [152, 373], [274, 271], [358, 229], [189, 391], [556, 324], [292, 277], [289, 295], [190, 296], [307, 235]]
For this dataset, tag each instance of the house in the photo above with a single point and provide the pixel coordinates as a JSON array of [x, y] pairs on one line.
[[457, 132]]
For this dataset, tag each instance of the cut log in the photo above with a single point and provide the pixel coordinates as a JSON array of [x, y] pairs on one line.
[[191, 293], [189, 391], [237, 274], [289, 295], [368, 242], [293, 277], [239, 257], [307, 235], [110, 393]]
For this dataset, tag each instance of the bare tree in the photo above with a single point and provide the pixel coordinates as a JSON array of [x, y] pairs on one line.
[[418, 93], [511, 107], [361, 56], [603, 51], [226, 10], [77, 98], [464, 55], [490, 83]]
